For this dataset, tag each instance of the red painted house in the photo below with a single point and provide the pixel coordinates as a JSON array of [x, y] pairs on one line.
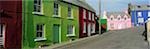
[[10, 24], [87, 21]]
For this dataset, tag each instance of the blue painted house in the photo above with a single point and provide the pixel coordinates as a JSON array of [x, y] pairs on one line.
[[139, 14]]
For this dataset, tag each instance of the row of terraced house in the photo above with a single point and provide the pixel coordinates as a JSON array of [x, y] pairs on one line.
[[35, 23]]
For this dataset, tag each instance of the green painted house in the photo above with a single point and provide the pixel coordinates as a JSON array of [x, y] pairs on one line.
[[47, 22]]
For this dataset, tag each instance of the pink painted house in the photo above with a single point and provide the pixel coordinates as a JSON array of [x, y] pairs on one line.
[[118, 20]]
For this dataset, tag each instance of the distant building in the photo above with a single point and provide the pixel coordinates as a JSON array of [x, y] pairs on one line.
[[118, 20], [87, 20], [139, 14], [103, 21]]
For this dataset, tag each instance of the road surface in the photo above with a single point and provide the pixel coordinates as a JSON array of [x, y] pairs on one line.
[[122, 39]]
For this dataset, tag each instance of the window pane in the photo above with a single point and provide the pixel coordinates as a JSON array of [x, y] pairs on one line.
[[140, 20], [1, 30], [37, 5], [35, 1], [56, 8], [35, 8], [40, 30], [37, 28], [39, 34], [69, 10], [139, 14], [70, 29], [39, 9], [149, 14], [84, 29], [84, 13], [39, 2]]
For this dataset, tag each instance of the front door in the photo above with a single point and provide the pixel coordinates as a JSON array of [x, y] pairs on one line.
[[1, 35], [56, 30]]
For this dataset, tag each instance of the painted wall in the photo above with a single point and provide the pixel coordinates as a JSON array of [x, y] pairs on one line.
[[103, 25], [117, 24], [48, 19], [134, 15], [11, 18], [87, 21]]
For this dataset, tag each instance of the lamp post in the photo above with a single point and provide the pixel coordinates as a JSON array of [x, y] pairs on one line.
[[99, 16]]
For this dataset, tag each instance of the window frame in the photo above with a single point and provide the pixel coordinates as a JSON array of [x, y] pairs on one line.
[[148, 13], [70, 11], [84, 27], [84, 14], [57, 9], [139, 14], [3, 32], [89, 16], [93, 16], [70, 28], [42, 27], [40, 12], [93, 28]]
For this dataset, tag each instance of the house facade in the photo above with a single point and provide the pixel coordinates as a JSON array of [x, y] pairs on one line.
[[87, 21], [103, 21], [139, 14], [10, 24], [49, 22], [118, 20]]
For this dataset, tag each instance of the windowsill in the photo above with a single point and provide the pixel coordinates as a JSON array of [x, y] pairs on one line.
[[84, 32], [37, 13], [57, 16], [70, 35], [39, 39], [70, 18]]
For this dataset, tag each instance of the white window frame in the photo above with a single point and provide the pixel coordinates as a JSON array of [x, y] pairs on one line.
[[3, 33], [84, 27], [148, 13], [93, 28], [93, 17], [59, 9], [41, 8], [43, 32], [70, 13], [140, 20], [84, 14], [73, 30], [139, 14], [89, 15], [89, 29]]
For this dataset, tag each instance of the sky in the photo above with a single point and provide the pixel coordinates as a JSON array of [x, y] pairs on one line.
[[114, 5]]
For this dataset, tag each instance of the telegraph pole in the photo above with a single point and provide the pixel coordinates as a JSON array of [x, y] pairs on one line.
[[99, 16]]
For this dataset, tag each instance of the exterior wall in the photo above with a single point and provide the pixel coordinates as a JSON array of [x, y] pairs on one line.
[[48, 19], [81, 26], [103, 25], [82, 20], [117, 24], [111, 24], [11, 18], [135, 17]]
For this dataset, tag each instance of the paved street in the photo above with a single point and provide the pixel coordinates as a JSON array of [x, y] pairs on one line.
[[122, 39]]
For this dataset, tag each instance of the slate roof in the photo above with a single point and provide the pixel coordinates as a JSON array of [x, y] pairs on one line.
[[139, 7], [81, 4]]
